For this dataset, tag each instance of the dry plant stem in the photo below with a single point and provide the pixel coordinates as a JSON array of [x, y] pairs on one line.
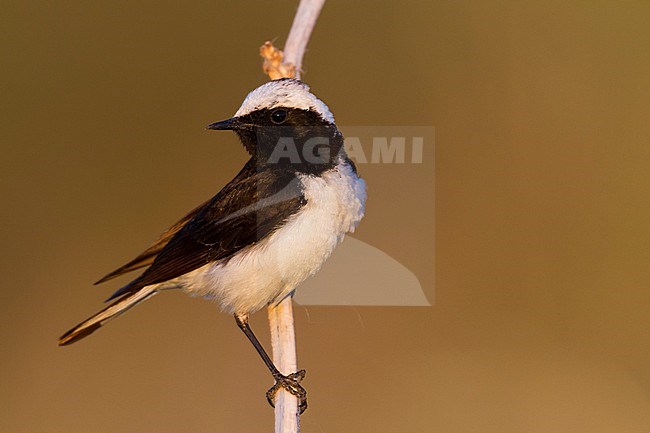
[[287, 64], [283, 343], [301, 29], [283, 338]]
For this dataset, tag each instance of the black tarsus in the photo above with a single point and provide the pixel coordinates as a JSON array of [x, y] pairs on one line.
[[290, 382]]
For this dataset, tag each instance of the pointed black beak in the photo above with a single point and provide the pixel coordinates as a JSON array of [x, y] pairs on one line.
[[230, 124]]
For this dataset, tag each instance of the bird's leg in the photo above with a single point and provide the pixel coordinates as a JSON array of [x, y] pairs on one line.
[[290, 382]]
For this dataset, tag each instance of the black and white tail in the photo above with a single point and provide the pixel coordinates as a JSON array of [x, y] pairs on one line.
[[89, 326]]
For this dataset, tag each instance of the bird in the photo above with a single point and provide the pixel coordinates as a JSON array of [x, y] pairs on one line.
[[268, 230]]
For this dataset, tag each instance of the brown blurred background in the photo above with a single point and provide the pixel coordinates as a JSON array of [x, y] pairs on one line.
[[540, 322]]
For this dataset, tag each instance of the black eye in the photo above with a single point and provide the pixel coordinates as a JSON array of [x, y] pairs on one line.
[[279, 116]]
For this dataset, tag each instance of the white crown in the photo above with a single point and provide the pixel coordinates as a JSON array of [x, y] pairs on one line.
[[285, 92]]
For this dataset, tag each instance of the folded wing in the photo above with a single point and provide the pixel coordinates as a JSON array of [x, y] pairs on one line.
[[252, 206]]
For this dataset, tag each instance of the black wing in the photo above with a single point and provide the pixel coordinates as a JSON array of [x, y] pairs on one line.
[[253, 205]]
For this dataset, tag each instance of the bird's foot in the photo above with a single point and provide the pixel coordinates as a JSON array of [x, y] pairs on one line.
[[291, 383]]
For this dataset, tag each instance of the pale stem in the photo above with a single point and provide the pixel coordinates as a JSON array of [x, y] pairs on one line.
[[283, 337]]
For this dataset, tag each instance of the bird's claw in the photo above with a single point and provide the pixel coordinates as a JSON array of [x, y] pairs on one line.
[[291, 383]]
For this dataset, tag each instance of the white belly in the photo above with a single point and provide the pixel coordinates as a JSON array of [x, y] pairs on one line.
[[272, 269]]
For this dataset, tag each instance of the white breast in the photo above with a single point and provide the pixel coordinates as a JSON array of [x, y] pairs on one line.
[[270, 270]]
